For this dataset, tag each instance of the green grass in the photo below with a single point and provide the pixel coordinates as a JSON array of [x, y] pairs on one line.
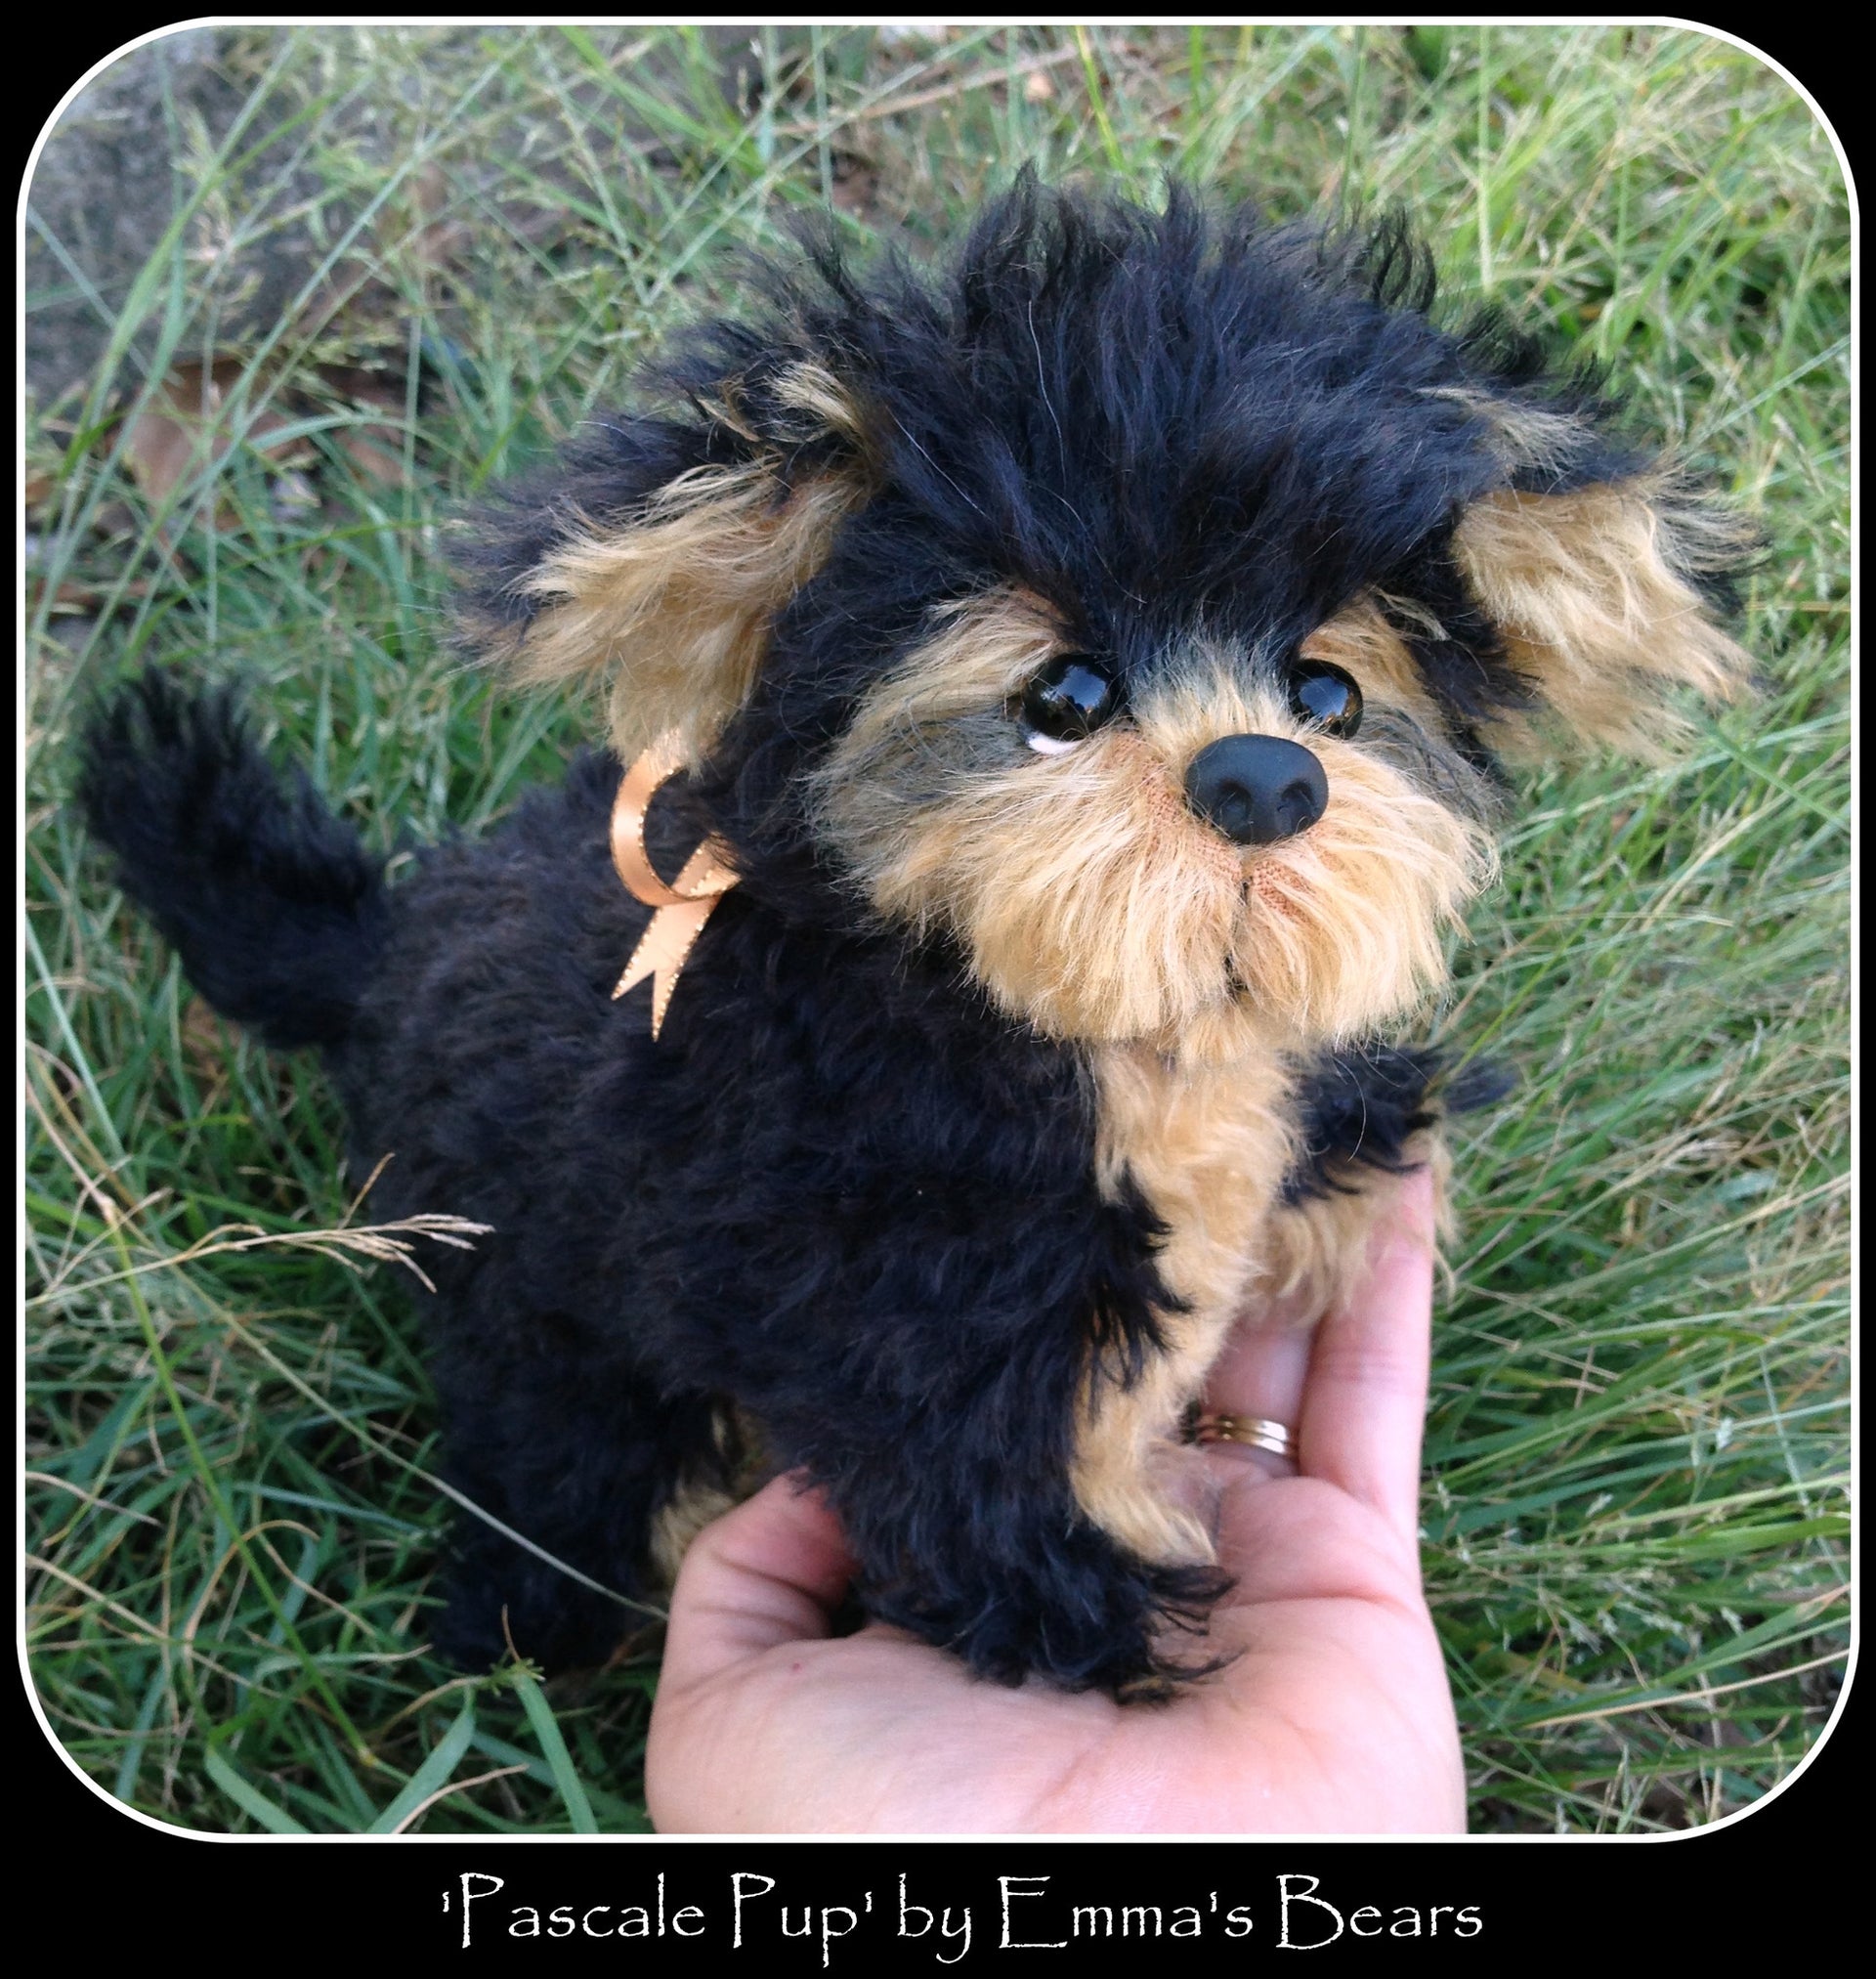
[[1637, 1509]]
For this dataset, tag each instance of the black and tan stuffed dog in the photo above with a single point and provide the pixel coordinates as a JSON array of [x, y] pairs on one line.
[[1056, 715]]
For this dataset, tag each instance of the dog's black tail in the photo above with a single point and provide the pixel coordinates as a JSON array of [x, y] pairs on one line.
[[275, 906]]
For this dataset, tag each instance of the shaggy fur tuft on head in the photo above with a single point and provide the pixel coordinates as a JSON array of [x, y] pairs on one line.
[[1594, 595], [675, 612]]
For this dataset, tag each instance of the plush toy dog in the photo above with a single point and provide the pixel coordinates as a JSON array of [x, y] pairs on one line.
[[1056, 716]]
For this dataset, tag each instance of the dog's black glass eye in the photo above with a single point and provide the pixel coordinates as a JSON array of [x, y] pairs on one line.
[[1067, 702], [1326, 696]]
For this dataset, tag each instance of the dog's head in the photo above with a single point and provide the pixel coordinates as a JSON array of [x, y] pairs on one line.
[[1143, 603]]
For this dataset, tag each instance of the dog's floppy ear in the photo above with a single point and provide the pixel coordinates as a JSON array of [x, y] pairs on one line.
[[1606, 590], [657, 555]]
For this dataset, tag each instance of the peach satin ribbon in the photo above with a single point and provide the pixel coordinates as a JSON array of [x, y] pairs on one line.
[[684, 906]]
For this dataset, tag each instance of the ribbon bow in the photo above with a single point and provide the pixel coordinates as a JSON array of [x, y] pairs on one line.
[[684, 906]]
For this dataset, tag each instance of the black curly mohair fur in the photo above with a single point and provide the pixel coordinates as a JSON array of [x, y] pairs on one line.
[[845, 1201]]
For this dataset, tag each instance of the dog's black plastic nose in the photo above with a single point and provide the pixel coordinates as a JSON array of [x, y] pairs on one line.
[[1256, 788]]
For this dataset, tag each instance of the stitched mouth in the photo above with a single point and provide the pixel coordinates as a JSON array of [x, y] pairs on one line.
[[1261, 887]]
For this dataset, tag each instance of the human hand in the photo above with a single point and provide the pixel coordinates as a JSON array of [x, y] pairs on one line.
[[1333, 1718]]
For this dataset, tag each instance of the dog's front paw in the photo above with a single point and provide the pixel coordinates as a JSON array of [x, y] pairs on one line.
[[1086, 1617]]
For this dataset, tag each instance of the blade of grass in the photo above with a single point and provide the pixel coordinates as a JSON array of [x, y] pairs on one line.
[[426, 1783], [541, 1715], [247, 1796]]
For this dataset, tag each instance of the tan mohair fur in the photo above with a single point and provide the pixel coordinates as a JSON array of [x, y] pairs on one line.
[[1524, 435], [830, 406], [694, 1505], [673, 610], [1208, 1144], [1312, 1252], [1590, 592], [979, 653], [1095, 904], [689, 1509], [1339, 929], [1090, 900]]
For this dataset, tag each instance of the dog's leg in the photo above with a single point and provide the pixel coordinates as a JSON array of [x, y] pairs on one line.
[[1315, 1247], [1365, 1114], [960, 1505], [1052, 1595], [588, 1465]]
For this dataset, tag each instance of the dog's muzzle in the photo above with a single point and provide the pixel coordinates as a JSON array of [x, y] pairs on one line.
[[1256, 788]]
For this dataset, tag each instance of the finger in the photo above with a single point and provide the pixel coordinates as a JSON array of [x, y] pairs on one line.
[[1259, 1376], [771, 1572], [1364, 1403]]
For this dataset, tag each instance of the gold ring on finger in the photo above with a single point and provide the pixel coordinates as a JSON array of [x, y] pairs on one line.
[[1258, 1432]]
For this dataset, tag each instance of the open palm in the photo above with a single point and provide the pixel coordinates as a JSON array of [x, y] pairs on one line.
[[1334, 1716]]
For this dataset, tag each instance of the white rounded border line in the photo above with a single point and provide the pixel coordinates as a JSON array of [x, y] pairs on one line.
[[1724, 34]]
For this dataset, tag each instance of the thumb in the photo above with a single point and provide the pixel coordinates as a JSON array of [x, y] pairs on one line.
[[1364, 1402], [772, 1571]]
